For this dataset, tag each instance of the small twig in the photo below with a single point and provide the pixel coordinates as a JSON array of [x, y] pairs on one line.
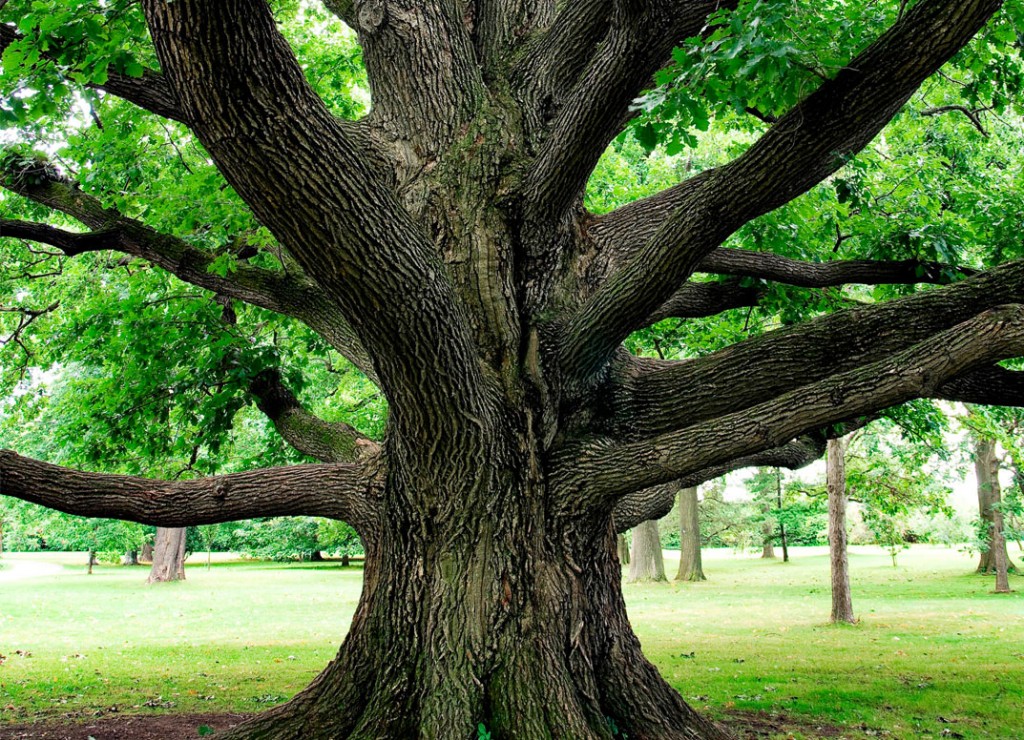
[[972, 115]]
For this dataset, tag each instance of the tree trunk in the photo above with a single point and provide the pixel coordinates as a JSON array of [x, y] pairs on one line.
[[782, 526], [986, 468], [646, 562], [146, 556], [521, 628], [768, 548], [92, 562], [130, 558], [690, 566], [168, 555], [623, 548], [842, 601]]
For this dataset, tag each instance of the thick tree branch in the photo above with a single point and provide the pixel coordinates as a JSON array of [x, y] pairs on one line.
[[991, 386], [653, 397], [422, 69], [291, 294], [600, 471], [639, 39], [767, 266], [149, 91], [807, 145], [656, 502], [306, 432], [309, 179], [500, 26], [345, 492], [345, 10], [696, 300]]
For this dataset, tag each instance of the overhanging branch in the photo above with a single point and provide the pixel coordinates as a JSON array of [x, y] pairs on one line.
[[653, 397], [346, 492], [656, 502], [291, 294], [306, 432], [597, 471], [806, 145]]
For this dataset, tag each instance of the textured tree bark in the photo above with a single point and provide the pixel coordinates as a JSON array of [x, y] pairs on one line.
[[443, 246], [146, 556], [690, 567], [520, 626], [623, 548], [168, 555], [646, 561], [994, 558], [842, 600]]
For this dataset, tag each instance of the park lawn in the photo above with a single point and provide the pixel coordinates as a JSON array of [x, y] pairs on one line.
[[936, 654]]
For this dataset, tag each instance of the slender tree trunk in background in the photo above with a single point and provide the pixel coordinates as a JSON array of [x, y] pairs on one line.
[[782, 527], [646, 562], [1001, 559], [623, 548], [146, 556], [986, 469], [130, 558], [690, 566], [842, 601], [768, 548], [92, 562], [168, 555]]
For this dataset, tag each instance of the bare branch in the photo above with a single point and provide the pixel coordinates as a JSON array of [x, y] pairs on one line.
[[346, 492], [696, 300], [972, 115], [599, 471], [807, 145], [150, 91], [306, 432], [345, 10]]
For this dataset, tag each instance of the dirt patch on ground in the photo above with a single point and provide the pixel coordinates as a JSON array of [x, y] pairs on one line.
[[746, 725], [762, 725], [127, 727]]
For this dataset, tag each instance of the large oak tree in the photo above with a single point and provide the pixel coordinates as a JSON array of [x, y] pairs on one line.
[[440, 243]]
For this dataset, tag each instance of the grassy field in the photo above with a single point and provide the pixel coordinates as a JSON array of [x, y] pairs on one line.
[[935, 655]]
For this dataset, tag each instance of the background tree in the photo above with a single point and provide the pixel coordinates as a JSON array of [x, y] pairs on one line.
[[842, 600], [442, 243], [168, 555], [690, 566], [993, 437], [646, 560]]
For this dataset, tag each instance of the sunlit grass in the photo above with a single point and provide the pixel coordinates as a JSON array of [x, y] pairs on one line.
[[935, 651]]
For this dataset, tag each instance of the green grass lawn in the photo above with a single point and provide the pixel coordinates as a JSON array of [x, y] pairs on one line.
[[936, 654]]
